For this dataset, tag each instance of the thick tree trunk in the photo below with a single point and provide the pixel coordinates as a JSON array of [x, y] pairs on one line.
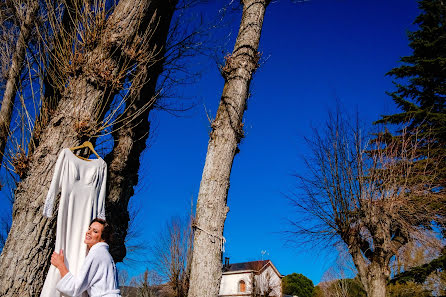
[[227, 130], [377, 288], [14, 72], [25, 258], [130, 137], [373, 273], [377, 280]]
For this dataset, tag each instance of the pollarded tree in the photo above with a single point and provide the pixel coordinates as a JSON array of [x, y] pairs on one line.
[[112, 49], [362, 194], [227, 131]]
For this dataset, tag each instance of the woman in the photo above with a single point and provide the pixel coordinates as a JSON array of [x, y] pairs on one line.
[[98, 273]]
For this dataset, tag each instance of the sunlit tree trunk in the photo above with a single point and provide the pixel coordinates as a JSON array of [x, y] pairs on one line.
[[227, 131], [373, 263], [25, 258], [26, 24]]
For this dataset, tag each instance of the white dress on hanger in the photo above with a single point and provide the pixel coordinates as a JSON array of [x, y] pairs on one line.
[[82, 186]]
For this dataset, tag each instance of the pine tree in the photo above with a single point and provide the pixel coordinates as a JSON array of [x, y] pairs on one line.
[[422, 98], [421, 90]]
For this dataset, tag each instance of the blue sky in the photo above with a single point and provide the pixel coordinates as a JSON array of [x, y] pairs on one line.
[[314, 53], [317, 51]]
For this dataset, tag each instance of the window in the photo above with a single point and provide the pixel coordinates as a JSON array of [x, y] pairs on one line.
[[241, 286]]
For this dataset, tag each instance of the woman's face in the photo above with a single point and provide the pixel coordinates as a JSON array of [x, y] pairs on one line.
[[94, 234]]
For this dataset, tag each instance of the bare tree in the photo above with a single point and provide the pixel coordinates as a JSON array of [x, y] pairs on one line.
[[172, 253], [416, 256], [357, 191], [337, 281], [148, 284], [227, 131], [26, 20], [264, 282]]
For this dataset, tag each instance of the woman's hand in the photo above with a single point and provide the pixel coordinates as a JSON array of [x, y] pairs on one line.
[[58, 260]]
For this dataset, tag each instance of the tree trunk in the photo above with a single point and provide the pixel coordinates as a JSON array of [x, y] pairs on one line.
[[14, 73], [377, 281], [130, 137], [25, 258], [373, 273], [227, 131]]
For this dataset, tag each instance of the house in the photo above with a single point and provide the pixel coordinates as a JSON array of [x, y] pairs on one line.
[[243, 279]]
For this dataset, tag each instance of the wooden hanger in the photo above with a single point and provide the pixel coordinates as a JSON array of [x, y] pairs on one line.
[[86, 144]]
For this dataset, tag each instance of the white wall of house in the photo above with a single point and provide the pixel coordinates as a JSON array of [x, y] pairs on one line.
[[229, 283], [268, 278]]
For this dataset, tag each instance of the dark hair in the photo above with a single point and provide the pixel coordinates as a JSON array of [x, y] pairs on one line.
[[107, 231]]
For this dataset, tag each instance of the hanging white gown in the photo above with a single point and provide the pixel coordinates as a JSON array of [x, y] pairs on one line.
[[82, 186]]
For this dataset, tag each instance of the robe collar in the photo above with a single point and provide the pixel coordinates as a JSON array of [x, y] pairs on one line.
[[99, 245]]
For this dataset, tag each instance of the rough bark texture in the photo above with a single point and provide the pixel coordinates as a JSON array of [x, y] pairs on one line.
[[25, 258], [227, 130], [130, 137], [14, 72], [373, 276], [372, 263]]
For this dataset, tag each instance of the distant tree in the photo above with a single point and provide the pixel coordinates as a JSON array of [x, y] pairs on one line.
[[420, 274], [408, 289], [355, 288], [317, 292], [418, 269], [264, 282], [148, 285], [340, 288], [297, 284], [358, 191], [172, 256]]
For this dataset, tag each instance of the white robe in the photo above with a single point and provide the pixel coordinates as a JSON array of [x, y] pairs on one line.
[[82, 186], [98, 275]]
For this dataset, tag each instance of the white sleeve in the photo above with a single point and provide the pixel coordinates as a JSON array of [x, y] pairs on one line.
[[102, 194], [74, 285], [55, 186]]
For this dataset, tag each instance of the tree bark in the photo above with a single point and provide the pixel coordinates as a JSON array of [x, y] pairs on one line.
[[14, 73], [130, 137], [373, 272], [25, 258], [227, 131], [377, 280]]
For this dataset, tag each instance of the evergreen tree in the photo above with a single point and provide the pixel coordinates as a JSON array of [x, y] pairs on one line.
[[421, 91], [297, 284]]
